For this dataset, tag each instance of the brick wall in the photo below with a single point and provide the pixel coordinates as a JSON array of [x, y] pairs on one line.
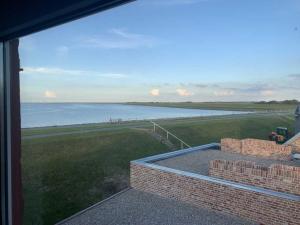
[[277, 177], [260, 207], [231, 145], [256, 147]]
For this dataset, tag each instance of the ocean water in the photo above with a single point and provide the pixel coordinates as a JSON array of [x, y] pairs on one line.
[[55, 114]]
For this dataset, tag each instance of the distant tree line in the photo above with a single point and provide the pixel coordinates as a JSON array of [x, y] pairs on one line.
[[289, 102]]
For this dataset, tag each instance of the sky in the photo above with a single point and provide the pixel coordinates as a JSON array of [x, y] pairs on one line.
[[168, 50]]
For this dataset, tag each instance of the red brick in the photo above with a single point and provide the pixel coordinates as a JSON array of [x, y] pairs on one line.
[[259, 207]]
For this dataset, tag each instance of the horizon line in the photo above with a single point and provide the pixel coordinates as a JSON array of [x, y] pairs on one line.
[[91, 102]]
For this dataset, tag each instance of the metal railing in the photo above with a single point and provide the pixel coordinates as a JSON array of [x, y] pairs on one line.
[[168, 134]]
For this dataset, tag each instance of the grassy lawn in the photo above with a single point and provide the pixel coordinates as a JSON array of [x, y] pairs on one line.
[[202, 132], [62, 175], [84, 127], [65, 174], [240, 106]]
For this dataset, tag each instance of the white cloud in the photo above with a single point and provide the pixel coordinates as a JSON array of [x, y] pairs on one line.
[[267, 93], [154, 92], [119, 39], [183, 92], [295, 76], [223, 93], [66, 72], [50, 94]]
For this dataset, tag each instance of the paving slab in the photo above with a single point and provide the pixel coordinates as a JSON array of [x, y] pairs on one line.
[[198, 161], [134, 207]]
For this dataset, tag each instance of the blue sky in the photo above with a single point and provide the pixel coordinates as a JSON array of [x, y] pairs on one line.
[[168, 50]]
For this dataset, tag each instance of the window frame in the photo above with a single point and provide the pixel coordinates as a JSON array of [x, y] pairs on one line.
[[6, 209], [10, 130]]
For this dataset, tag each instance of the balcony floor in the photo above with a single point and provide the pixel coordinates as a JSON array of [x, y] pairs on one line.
[[198, 161], [139, 208]]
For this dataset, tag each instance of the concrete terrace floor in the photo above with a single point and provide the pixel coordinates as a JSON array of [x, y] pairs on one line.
[[198, 161], [139, 208]]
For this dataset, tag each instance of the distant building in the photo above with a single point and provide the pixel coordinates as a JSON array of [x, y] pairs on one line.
[[297, 118]]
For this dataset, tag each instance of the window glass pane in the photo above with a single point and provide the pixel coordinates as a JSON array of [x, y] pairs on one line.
[[200, 70]]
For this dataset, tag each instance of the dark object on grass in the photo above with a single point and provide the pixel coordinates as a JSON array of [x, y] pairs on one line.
[[297, 118], [281, 135]]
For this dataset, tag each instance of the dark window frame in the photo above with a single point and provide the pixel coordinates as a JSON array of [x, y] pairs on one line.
[[10, 129]]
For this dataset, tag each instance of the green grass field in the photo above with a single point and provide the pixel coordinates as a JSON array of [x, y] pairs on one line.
[[62, 175], [239, 106], [65, 174]]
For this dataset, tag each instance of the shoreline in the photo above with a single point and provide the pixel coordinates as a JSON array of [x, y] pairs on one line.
[[222, 108], [139, 120], [28, 133]]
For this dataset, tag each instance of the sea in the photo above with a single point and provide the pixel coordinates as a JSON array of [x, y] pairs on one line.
[[58, 114]]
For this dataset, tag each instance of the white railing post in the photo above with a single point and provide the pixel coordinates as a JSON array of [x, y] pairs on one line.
[[182, 143]]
